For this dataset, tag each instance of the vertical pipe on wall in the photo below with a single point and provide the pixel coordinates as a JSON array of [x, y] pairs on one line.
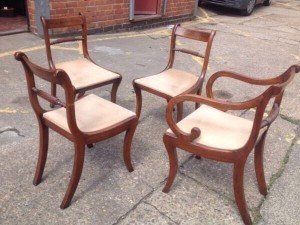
[[131, 10], [27, 16], [196, 7], [41, 8], [165, 7]]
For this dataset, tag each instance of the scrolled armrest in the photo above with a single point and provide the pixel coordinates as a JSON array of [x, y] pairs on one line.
[[240, 77], [218, 104]]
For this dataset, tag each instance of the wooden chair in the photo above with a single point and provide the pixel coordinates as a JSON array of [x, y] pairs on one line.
[[212, 133], [172, 82], [84, 73], [86, 121]]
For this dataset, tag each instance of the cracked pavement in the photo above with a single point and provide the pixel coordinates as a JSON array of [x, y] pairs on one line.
[[262, 45]]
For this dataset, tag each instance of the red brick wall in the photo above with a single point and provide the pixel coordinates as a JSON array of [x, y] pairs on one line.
[[99, 13], [106, 13], [180, 7]]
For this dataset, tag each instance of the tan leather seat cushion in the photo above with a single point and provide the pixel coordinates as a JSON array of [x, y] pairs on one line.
[[218, 129], [171, 82], [83, 73], [92, 114]]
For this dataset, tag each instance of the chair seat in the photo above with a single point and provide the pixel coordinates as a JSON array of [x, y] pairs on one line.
[[171, 82], [83, 73], [218, 129], [92, 114]]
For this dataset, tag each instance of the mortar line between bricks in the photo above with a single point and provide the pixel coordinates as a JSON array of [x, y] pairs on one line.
[[274, 178], [163, 214]]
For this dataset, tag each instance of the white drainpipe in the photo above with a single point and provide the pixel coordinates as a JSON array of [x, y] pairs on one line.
[[131, 10]]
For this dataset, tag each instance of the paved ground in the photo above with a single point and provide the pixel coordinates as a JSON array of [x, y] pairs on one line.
[[262, 45], [9, 25]]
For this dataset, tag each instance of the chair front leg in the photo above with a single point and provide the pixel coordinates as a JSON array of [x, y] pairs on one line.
[[138, 94], [259, 165], [76, 174], [171, 149], [43, 151], [127, 145], [238, 185], [114, 90]]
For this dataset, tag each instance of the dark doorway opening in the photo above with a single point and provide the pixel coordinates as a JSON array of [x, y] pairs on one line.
[[13, 16], [147, 9]]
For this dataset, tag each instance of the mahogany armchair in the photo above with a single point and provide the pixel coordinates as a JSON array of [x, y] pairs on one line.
[[84, 73], [212, 133], [172, 82], [85, 121]]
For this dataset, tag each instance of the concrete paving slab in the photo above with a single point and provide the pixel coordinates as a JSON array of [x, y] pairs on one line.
[[107, 192], [20, 41], [282, 205], [103, 193], [188, 202], [146, 214], [150, 156]]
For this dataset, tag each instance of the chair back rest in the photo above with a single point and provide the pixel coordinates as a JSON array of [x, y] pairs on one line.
[[66, 22], [58, 77], [275, 91], [197, 35]]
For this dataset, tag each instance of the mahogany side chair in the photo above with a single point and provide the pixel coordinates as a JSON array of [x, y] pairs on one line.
[[172, 82], [85, 121], [84, 73], [212, 133]]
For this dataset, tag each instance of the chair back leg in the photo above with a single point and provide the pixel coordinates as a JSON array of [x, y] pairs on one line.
[[259, 165], [179, 111], [114, 90], [138, 94], [127, 145], [197, 105], [53, 93]]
